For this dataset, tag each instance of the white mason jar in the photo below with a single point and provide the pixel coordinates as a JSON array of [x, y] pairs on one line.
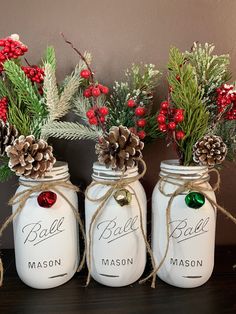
[[118, 251], [190, 258], [46, 239]]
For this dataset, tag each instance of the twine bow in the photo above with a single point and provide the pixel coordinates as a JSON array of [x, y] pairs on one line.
[[21, 199], [185, 186], [113, 186]]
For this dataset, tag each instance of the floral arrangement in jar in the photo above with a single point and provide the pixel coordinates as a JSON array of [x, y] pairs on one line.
[[198, 119]]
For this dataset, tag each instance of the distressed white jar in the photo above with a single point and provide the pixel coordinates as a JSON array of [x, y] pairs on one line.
[[118, 251], [46, 239], [190, 259]]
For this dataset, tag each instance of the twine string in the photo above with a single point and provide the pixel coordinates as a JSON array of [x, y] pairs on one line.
[[195, 184], [21, 199]]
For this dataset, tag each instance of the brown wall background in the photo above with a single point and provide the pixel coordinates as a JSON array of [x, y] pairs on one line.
[[118, 33]]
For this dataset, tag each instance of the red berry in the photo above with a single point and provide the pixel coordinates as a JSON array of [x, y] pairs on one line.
[[163, 111], [178, 78], [179, 118], [140, 111], [179, 111], [161, 118], [131, 103], [87, 93], [2, 42], [171, 125], [96, 92], [141, 134], [93, 121], [104, 111], [102, 119], [179, 135], [85, 74], [90, 114], [163, 127], [165, 105], [104, 89], [141, 123]]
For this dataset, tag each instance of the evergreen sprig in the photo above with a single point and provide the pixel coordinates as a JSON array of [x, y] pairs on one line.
[[5, 171], [70, 131], [23, 87], [227, 131], [186, 95], [141, 80], [50, 57], [211, 70]]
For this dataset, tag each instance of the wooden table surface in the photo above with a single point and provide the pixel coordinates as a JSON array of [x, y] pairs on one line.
[[218, 295]]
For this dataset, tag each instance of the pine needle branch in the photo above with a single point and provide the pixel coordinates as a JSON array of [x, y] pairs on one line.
[[50, 57], [23, 87], [70, 131], [5, 172], [50, 90], [211, 70]]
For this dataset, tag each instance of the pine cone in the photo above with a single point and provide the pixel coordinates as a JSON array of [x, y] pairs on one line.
[[29, 157], [119, 149], [209, 151], [8, 133]]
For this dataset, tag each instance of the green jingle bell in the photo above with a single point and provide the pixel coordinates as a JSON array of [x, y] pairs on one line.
[[123, 197], [195, 200]]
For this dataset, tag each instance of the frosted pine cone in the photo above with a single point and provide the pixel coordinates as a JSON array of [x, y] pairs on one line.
[[119, 149], [29, 157], [8, 133], [209, 151]]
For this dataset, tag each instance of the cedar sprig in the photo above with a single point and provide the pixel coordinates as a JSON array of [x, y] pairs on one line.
[[187, 96]]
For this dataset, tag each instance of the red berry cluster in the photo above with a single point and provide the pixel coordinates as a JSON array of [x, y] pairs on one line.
[[97, 114], [34, 73], [168, 120], [226, 97], [3, 108], [95, 90], [12, 49], [141, 121]]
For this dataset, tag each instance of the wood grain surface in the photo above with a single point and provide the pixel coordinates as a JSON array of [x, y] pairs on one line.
[[218, 295]]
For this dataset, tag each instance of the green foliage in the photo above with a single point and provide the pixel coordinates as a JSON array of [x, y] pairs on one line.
[[50, 57], [211, 70], [70, 131], [5, 171], [151, 129], [227, 131], [27, 112], [141, 80], [186, 95]]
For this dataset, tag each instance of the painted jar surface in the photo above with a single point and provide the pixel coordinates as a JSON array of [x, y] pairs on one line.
[[190, 258], [118, 252], [46, 239]]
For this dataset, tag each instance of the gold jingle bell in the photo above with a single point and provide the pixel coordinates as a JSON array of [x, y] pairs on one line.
[[123, 197]]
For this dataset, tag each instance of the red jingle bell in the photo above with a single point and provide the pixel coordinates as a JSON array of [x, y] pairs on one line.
[[47, 199]]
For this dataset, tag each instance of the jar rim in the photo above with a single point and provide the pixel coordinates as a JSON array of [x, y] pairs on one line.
[[174, 164], [59, 171], [173, 168], [100, 171]]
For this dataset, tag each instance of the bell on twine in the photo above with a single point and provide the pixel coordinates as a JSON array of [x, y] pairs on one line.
[[195, 200], [123, 197]]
